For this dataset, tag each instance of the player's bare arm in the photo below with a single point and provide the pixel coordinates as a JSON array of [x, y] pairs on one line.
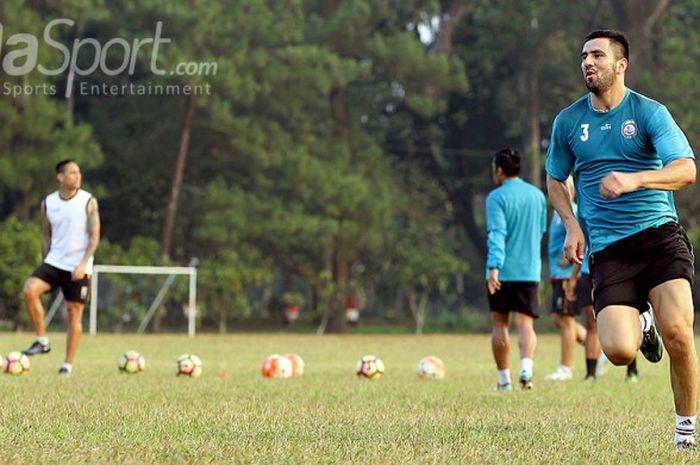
[[494, 284], [93, 225], [45, 232], [561, 201], [677, 174]]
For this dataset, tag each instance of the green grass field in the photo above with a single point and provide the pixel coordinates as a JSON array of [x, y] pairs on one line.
[[328, 415]]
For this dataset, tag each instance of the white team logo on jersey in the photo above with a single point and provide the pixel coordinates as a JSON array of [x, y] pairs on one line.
[[629, 129]]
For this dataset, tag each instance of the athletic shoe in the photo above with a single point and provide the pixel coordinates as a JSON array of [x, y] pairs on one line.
[[632, 378], [601, 365], [525, 380], [685, 445], [562, 373], [64, 372], [589, 379], [503, 387], [652, 348], [37, 348]]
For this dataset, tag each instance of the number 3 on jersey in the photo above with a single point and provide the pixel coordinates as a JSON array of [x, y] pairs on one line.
[[584, 135]]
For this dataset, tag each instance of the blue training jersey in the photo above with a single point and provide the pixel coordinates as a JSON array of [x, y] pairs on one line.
[[555, 247], [516, 219], [637, 135]]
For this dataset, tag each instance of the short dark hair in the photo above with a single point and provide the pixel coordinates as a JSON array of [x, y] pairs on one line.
[[618, 38], [62, 164], [508, 160]]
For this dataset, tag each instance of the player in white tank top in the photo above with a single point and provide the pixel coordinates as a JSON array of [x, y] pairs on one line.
[[71, 233]]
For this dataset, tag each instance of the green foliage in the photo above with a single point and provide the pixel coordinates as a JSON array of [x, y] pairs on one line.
[[338, 136], [20, 249]]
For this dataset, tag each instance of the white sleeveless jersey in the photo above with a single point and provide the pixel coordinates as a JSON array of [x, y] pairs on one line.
[[69, 230]]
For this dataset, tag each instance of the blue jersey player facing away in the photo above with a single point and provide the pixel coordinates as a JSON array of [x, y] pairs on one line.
[[516, 219], [627, 155]]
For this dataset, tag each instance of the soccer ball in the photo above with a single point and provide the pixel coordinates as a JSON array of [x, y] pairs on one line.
[[189, 365], [297, 364], [277, 366], [15, 363], [430, 368], [131, 362], [369, 367]]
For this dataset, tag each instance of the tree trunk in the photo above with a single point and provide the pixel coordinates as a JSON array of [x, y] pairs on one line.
[[449, 17], [636, 18], [222, 323], [421, 312], [336, 319], [168, 224], [532, 135]]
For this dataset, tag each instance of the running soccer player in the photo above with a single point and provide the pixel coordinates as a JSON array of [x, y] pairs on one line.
[[71, 233], [628, 155], [516, 219]]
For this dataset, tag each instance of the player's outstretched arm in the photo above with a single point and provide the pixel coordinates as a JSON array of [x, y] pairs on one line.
[[675, 175], [561, 201]]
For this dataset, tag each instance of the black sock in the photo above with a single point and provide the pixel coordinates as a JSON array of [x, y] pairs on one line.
[[590, 367], [632, 368]]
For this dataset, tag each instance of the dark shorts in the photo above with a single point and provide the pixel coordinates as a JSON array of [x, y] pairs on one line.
[[624, 272], [73, 291], [515, 296], [560, 305], [584, 291]]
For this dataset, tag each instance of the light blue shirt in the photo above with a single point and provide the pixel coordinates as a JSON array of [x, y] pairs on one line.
[[637, 135], [555, 247], [516, 219]]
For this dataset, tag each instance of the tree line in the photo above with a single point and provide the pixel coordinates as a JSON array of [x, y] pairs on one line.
[[344, 148]]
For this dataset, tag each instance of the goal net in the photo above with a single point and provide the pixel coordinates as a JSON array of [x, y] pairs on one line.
[[121, 296]]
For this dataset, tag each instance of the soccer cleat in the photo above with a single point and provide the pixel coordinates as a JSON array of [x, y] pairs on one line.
[[601, 365], [589, 379], [632, 378], [652, 348], [64, 372], [562, 373], [685, 445], [525, 380], [37, 348], [503, 387]]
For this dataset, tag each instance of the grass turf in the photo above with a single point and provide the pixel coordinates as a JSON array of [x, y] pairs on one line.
[[232, 415]]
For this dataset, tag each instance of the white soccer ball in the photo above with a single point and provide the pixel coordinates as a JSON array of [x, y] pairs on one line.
[[430, 367], [277, 366], [15, 363], [297, 364], [189, 365], [369, 367], [131, 362]]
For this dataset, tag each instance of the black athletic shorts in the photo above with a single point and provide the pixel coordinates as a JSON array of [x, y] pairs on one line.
[[560, 305], [584, 290], [515, 296], [625, 271], [73, 291]]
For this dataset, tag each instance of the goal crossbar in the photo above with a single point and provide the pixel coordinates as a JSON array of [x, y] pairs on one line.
[[130, 269]]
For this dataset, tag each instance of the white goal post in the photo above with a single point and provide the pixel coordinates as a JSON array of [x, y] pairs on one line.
[[164, 270]]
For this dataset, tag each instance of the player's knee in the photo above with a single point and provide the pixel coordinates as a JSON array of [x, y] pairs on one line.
[[29, 291], [619, 353], [558, 321], [678, 340]]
